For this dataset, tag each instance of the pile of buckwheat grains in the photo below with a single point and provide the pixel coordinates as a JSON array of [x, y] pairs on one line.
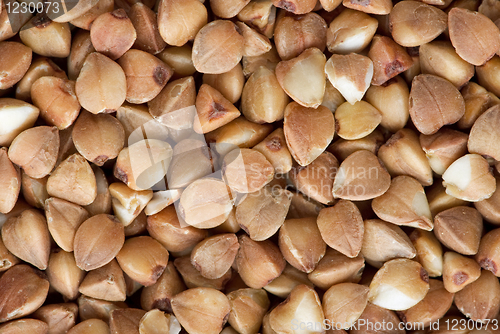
[[249, 166]]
